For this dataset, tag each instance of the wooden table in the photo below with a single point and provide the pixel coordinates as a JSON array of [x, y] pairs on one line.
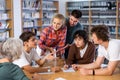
[[77, 76]]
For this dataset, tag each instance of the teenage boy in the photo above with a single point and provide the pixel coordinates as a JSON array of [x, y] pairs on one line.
[[29, 54]]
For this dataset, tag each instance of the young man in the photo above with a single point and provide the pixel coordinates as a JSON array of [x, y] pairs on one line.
[[73, 24], [108, 48], [53, 37], [82, 51], [29, 54]]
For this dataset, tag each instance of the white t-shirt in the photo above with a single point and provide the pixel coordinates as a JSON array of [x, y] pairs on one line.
[[113, 51], [39, 51], [27, 58]]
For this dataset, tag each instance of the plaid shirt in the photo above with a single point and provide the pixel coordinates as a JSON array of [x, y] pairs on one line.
[[53, 39]]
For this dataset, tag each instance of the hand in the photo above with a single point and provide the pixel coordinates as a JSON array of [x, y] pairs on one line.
[[65, 66], [84, 71], [50, 49], [49, 56], [75, 67], [42, 53], [55, 69], [61, 50], [68, 45]]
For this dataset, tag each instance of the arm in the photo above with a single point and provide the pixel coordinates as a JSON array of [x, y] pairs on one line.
[[109, 70], [42, 40], [93, 65], [15, 73], [102, 71], [71, 54], [47, 57], [62, 37], [34, 69], [70, 58]]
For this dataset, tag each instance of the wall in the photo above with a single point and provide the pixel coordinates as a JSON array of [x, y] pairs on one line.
[[62, 7], [17, 18]]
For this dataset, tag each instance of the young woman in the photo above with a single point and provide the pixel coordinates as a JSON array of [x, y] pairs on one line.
[[53, 37], [82, 51]]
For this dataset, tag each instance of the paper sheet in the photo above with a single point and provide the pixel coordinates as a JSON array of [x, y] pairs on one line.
[[104, 65], [68, 70]]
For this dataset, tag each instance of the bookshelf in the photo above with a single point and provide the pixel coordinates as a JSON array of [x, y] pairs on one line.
[[49, 8], [31, 15], [37, 14], [97, 12], [6, 19]]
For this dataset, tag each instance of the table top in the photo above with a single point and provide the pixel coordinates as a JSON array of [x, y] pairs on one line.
[[77, 76]]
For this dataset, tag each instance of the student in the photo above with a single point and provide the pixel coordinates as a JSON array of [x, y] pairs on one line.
[[82, 51], [73, 24], [108, 48], [11, 50], [29, 54], [53, 37]]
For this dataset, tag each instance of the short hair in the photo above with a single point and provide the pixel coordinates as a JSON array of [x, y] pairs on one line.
[[25, 36], [59, 16], [76, 13], [12, 48], [101, 32], [81, 34]]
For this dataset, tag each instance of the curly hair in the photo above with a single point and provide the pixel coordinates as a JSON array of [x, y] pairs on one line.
[[101, 32]]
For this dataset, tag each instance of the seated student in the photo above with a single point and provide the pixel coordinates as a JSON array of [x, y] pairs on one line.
[[82, 51], [108, 48], [29, 54], [11, 50], [53, 37]]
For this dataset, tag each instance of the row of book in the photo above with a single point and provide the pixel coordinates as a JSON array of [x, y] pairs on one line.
[[31, 4], [2, 4], [4, 16], [31, 15]]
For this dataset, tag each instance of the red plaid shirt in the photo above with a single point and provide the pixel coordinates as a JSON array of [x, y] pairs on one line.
[[53, 39]]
